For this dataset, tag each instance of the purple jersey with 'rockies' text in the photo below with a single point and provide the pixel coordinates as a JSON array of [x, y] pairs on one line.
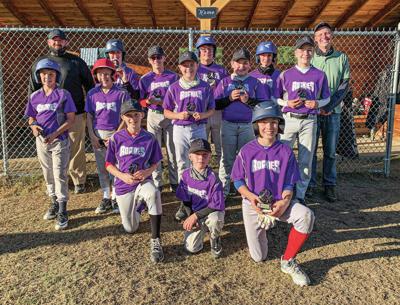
[[50, 111], [212, 74], [105, 107], [130, 154], [272, 167], [266, 79], [131, 75], [292, 83], [198, 99], [202, 194], [236, 111], [156, 85]]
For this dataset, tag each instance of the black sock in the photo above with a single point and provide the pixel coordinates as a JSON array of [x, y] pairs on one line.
[[155, 221], [62, 207]]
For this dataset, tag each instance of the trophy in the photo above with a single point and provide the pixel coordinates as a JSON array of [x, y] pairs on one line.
[[133, 168], [240, 86], [267, 200], [191, 108], [211, 78], [302, 94]]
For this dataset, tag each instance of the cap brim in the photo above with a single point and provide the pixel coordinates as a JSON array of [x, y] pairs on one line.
[[193, 151]]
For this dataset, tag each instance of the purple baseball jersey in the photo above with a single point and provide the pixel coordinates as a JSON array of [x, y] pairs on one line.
[[199, 98], [207, 193], [131, 75], [265, 79], [236, 111], [212, 74], [272, 167], [105, 107], [154, 85], [50, 111], [131, 154], [313, 85]]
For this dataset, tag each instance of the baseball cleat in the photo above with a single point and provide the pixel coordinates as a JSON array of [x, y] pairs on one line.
[[61, 222], [53, 209], [104, 206], [216, 247], [330, 193], [292, 268], [156, 251], [79, 189], [310, 191], [114, 206]]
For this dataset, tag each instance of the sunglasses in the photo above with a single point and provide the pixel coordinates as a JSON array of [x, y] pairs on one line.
[[154, 57]]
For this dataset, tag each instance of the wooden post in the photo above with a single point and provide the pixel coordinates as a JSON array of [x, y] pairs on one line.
[[192, 5]]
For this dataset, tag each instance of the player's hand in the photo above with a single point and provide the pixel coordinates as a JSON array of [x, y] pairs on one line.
[[198, 116], [235, 95], [184, 115], [279, 207], [324, 112], [36, 129], [244, 97], [190, 222], [50, 138], [254, 200], [294, 103], [106, 141], [128, 178], [142, 174], [311, 104], [95, 142]]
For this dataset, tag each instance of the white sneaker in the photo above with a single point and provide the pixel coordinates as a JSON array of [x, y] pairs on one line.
[[156, 251], [291, 267]]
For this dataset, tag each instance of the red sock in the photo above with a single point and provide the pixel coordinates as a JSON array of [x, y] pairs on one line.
[[295, 242]]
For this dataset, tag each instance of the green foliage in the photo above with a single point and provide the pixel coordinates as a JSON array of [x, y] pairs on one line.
[[286, 55]]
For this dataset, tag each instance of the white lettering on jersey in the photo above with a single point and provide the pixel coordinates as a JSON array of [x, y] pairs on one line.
[[46, 107], [108, 106], [185, 94], [126, 150], [304, 85], [273, 165], [201, 193], [159, 85]]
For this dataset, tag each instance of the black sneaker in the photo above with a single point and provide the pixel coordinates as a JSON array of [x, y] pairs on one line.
[[61, 222], [173, 188], [310, 191], [156, 251], [114, 206], [104, 206], [53, 209], [79, 189], [330, 193], [181, 215], [216, 247]]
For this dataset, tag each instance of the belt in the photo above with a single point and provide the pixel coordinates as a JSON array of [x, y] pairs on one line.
[[157, 111], [300, 116]]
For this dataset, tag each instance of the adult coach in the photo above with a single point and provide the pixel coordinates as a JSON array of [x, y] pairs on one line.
[[335, 64], [76, 78]]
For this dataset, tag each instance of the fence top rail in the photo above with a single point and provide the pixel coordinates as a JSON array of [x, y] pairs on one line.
[[360, 31]]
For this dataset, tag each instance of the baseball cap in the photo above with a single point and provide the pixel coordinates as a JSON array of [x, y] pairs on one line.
[[187, 55], [55, 33], [155, 50], [130, 105], [199, 145], [322, 25], [303, 41], [242, 53]]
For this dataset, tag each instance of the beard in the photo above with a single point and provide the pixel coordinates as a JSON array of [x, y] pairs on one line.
[[57, 52]]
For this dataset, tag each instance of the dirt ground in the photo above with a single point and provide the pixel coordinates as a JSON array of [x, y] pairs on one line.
[[352, 256]]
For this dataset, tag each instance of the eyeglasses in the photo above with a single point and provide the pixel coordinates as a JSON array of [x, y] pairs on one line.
[[154, 57]]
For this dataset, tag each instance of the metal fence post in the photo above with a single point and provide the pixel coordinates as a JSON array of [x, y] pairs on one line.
[[3, 124], [190, 39], [392, 104]]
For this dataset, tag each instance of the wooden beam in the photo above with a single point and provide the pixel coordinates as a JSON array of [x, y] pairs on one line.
[[285, 13], [256, 3], [151, 13], [84, 12], [220, 4], [217, 20], [118, 11], [13, 10], [350, 12], [50, 13], [317, 13], [386, 10], [190, 5]]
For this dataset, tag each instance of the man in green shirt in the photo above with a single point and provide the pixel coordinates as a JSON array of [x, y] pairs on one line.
[[336, 66]]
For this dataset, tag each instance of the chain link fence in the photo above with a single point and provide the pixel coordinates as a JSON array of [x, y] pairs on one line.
[[367, 118]]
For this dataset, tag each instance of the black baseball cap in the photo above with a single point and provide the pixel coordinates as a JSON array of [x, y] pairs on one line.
[[130, 105], [188, 55], [242, 53], [322, 25], [55, 33], [199, 145], [155, 50], [303, 41]]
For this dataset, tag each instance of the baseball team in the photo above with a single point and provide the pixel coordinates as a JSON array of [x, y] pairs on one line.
[[253, 118]]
